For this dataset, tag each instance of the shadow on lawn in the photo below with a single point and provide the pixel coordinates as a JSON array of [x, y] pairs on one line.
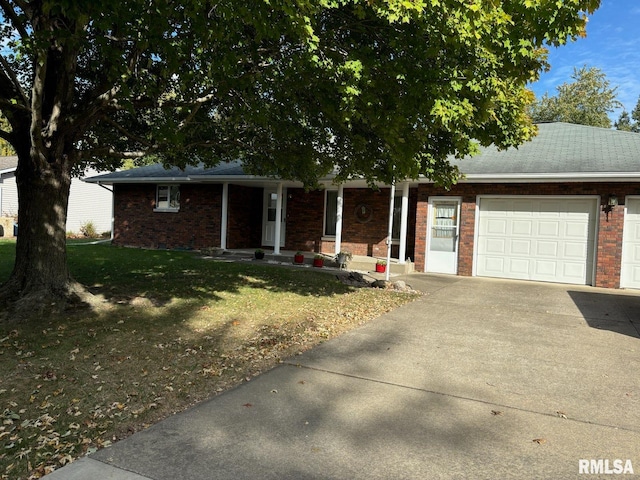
[[123, 275]]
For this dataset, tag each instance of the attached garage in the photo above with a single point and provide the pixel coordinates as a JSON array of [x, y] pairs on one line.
[[630, 271], [537, 238]]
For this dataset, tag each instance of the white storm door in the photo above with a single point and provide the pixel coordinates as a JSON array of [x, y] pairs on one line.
[[630, 273], [269, 217], [442, 245]]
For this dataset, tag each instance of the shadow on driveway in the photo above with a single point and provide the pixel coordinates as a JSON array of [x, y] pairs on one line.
[[615, 311]]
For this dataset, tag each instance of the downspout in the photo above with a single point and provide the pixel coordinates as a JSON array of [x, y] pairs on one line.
[[113, 209]]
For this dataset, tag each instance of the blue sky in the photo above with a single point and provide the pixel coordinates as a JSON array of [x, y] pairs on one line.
[[612, 45]]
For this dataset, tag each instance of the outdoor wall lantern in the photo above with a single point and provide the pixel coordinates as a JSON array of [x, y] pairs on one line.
[[612, 201]]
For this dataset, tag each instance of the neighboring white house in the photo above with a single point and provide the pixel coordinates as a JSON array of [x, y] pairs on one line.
[[87, 202]]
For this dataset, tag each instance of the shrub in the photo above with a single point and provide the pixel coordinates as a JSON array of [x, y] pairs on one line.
[[88, 229]]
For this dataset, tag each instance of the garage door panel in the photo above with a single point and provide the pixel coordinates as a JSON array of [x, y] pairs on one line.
[[518, 267], [520, 247], [547, 239], [545, 268], [574, 270], [630, 268], [548, 229], [494, 245], [496, 227], [576, 229], [493, 264], [522, 227], [572, 250], [546, 248]]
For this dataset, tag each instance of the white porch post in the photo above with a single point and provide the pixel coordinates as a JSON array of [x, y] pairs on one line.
[[276, 241], [390, 230], [402, 257], [339, 204], [225, 215]]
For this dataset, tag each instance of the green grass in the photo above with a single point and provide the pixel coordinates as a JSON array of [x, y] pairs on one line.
[[175, 329]]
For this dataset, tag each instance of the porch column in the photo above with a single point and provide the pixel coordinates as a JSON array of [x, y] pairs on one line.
[[390, 230], [403, 223], [339, 203], [276, 240], [225, 215]]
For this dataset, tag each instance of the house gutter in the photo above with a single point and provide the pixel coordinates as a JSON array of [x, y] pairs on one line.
[[550, 177], [571, 177]]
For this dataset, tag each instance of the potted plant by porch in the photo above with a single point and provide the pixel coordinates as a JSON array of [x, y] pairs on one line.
[[298, 257], [318, 261], [381, 266], [259, 254], [342, 258]]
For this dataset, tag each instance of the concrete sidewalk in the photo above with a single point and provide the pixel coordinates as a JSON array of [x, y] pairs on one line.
[[478, 379]]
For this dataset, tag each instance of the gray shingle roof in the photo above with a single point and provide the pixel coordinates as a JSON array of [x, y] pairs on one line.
[[158, 172], [560, 151], [562, 148]]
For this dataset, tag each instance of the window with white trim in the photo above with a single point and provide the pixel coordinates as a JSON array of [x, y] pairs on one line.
[[168, 198], [397, 217], [330, 212]]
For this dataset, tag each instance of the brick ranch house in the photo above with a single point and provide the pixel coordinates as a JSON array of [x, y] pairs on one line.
[[564, 207]]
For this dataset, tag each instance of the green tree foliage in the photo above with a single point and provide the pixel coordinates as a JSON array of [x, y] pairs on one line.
[[587, 100], [629, 123], [5, 147], [383, 89]]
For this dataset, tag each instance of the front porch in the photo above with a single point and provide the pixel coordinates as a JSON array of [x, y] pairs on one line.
[[359, 263]]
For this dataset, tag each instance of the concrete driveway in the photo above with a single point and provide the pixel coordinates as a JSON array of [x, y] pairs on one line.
[[479, 379]]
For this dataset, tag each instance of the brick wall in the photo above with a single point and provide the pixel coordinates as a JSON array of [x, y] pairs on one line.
[[305, 222], [609, 232], [196, 225]]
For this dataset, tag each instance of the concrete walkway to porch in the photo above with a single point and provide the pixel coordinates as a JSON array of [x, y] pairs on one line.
[[358, 263]]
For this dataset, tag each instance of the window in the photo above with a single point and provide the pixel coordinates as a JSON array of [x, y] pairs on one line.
[[397, 217], [168, 198], [330, 212]]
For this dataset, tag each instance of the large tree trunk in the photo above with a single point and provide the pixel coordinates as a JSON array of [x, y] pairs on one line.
[[46, 143], [40, 278]]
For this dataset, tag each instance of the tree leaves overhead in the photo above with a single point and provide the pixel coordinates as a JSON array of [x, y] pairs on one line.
[[383, 89], [587, 100]]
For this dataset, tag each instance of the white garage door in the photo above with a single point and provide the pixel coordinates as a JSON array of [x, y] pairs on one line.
[[630, 274], [536, 238]]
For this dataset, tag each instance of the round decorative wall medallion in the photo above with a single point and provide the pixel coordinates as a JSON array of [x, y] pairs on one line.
[[363, 213]]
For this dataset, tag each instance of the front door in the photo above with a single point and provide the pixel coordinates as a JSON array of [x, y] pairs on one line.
[[269, 217], [442, 246]]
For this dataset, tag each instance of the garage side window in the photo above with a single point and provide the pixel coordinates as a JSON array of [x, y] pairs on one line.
[[167, 198]]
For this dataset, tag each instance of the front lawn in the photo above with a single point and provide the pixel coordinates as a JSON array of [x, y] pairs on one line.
[[175, 329]]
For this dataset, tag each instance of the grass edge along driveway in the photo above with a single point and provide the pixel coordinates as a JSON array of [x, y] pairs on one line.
[[174, 330]]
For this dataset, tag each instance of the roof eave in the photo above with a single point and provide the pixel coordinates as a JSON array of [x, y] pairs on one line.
[[550, 177]]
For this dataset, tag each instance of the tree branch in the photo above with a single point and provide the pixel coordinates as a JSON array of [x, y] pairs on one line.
[[13, 16], [128, 134], [5, 135], [13, 84]]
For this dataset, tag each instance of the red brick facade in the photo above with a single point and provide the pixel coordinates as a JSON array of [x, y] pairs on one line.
[[197, 224], [609, 231]]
